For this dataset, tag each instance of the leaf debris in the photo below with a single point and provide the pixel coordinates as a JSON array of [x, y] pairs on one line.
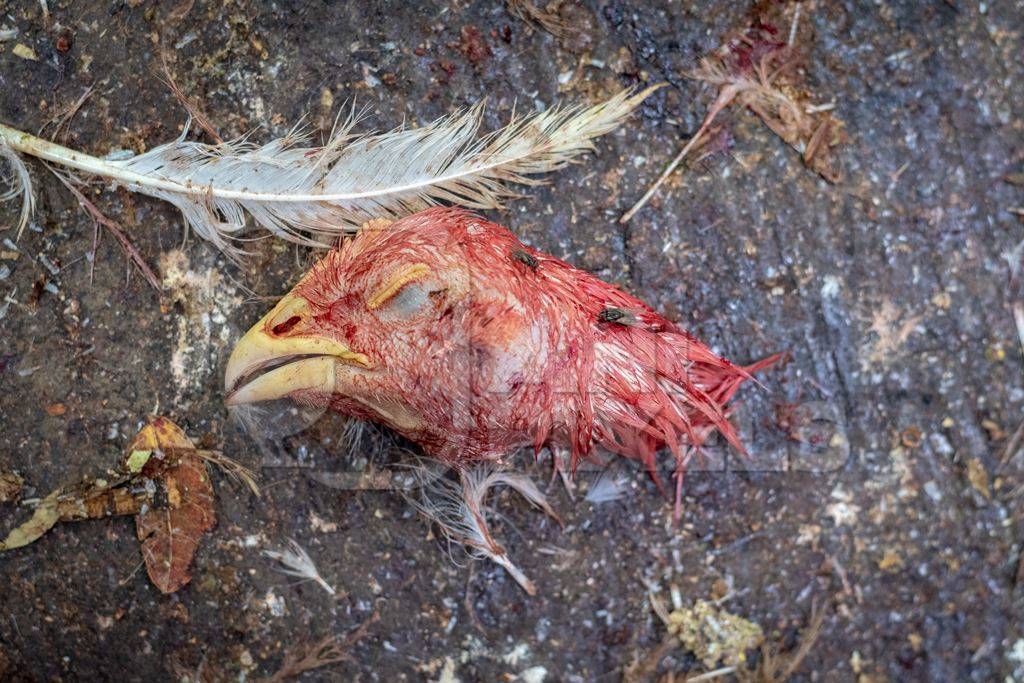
[[755, 70], [162, 481], [539, 17], [170, 536], [329, 650]]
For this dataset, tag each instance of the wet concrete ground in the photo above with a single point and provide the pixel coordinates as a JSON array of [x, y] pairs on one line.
[[889, 289]]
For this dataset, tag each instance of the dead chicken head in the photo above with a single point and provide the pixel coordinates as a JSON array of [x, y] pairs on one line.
[[446, 328]]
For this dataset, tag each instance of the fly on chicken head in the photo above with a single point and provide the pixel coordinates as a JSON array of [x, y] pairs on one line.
[[446, 328]]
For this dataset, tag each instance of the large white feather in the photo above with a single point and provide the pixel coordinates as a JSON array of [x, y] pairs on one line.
[[304, 193]]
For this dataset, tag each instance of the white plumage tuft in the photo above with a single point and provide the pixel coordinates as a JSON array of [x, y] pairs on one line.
[[19, 181], [607, 487], [459, 509], [308, 194], [295, 561]]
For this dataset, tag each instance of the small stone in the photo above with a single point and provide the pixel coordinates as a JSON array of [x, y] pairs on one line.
[[978, 476], [25, 52], [942, 300], [891, 561], [56, 409], [856, 663], [326, 99], [10, 487]]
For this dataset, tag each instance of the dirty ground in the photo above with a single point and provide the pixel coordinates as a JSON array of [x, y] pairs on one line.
[[881, 482]]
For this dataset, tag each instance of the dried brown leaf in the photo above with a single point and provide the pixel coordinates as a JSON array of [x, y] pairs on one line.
[[42, 520], [102, 499], [170, 536], [161, 453]]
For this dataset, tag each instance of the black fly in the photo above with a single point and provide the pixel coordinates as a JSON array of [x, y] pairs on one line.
[[526, 258], [616, 315]]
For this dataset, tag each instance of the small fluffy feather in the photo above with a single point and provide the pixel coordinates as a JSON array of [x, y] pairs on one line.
[[459, 509], [607, 487], [305, 194], [295, 561]]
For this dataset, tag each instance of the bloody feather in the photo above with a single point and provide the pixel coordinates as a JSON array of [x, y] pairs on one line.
[[446, 328]]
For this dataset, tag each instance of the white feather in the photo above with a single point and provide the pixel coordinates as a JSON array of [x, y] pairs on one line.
[[608, 487], [19, 181], [305, 193], [295, 561], [459, 509]]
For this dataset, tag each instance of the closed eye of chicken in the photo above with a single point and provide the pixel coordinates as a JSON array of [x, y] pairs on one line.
[[447, 329]]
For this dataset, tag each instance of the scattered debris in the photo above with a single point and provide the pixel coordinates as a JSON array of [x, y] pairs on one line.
[[25, 52], [162, 481], [56, 409], [235, 470], [757, 71], [318, 523], [978, 476], [191, 105], [297, 562], [608, 487], [473, 45], [892, 330], [98, 219], [776, 667], [542, 18], [61, 120], [715, 637], [535, 674], [710, 633], [10, 487], [65, 41], [329, 650], [1013, 446], [844, 510], [1015, 260]]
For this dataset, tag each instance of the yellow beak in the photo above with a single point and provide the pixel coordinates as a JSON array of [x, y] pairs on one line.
[[305, 359]]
